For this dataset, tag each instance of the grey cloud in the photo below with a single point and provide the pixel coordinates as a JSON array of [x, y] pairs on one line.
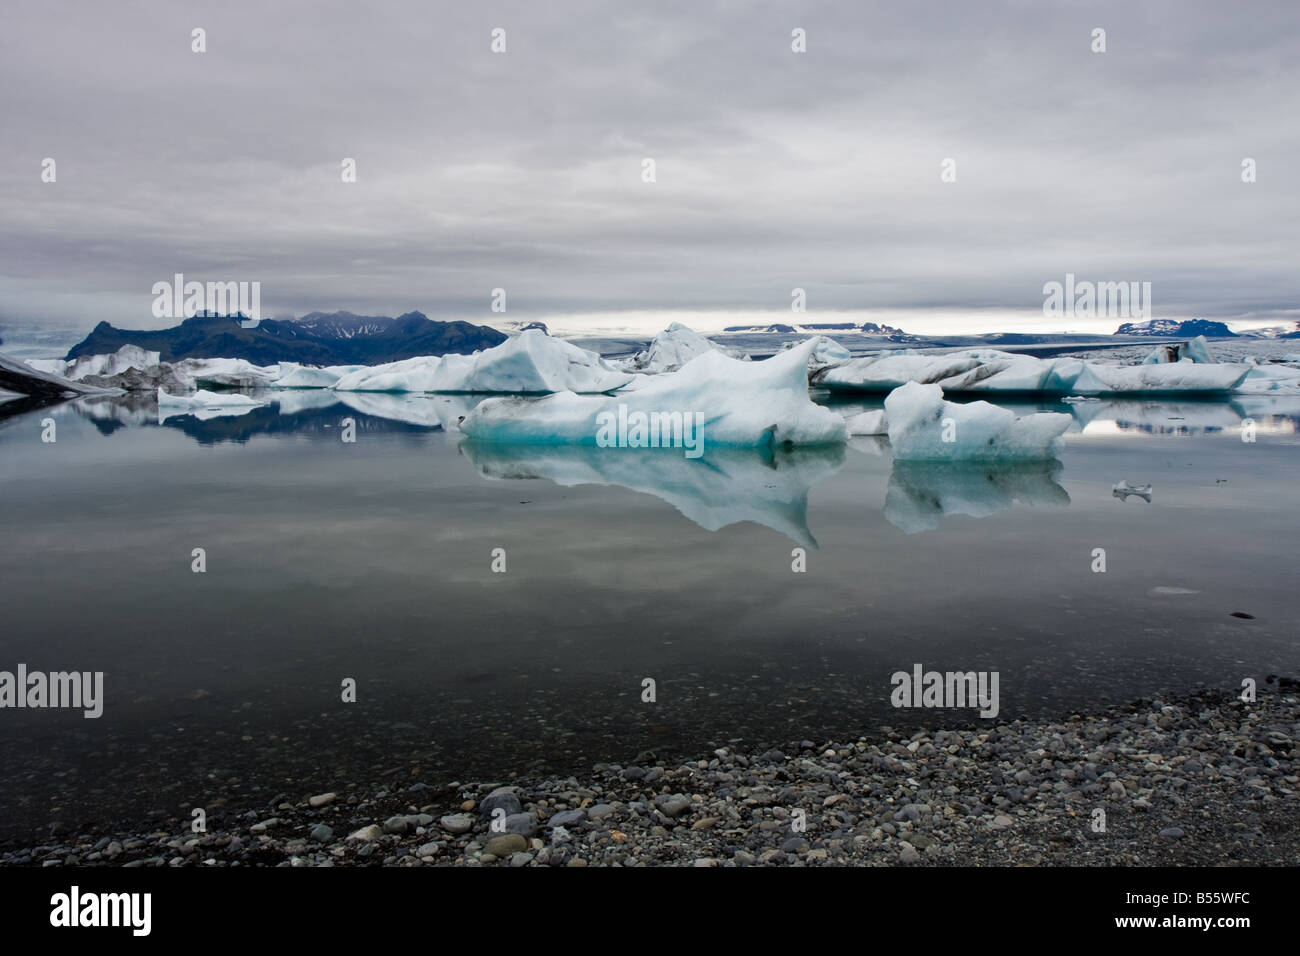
[[523, 170]]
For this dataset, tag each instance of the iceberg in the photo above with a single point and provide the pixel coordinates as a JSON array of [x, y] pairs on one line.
[[925, 427], [411, 409], [112, 363], [730, 402], [888, 372], [408, 375], [307, 376], [1196, 350], [726, 487], [530, 363], [1182, 378], [921, 493], [1271, 379], [868, 423], [17, 376], [227, 373], [991, 371], [670, 350], [826, 351]]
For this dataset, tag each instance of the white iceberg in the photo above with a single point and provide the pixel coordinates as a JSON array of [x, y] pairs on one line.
[[868, 423], [112, 363], [723, 401], [991, 371], [530, 363], [925, 427], [670, 350], [408, 375], [227, 373], [1182, 378], [24, 379], [308, 376], [886, 373], [1197, 350], [1269, 379]]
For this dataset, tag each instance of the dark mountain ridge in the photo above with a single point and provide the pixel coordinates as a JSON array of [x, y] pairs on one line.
[[340, 338]]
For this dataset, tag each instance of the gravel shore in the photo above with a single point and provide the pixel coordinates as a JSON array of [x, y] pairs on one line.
[[1202, 779]]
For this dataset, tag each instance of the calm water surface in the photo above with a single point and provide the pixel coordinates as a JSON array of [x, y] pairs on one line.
[[372, 561]]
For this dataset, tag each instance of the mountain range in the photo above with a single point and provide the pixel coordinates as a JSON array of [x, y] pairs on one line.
[[1167, 327], [318, 338]]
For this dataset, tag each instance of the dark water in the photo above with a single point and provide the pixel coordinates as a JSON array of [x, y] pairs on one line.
[[373, 561]]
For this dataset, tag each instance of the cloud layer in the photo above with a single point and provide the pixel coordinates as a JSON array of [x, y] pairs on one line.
[[523, 170]]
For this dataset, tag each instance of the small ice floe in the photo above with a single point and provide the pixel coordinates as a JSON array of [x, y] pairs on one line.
[[925, 427], [868, 423], [671, 349], [1123, 489], [1079, 399], [1171, 592]]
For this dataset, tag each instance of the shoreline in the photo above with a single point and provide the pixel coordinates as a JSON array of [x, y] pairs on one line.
[[1192, 779]]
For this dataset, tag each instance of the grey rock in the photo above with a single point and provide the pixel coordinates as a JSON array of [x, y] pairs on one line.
[[567, 818], [457, 823], [506, 845], [502, 798], [674, 806]]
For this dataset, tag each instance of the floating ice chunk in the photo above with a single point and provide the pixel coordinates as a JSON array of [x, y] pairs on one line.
[[203, 399], [924, 427], [530, 363], [111, 363], [671, 349], [1197, 351], [991, 371], [23, 378], [728, 401], [725, 487], [1175, 378], [1270, 379], [886, 373], [1024, 374], [921, 493], [1123, 489], [307, 376], [228, 373], [409, 375], [868, 423], [826, 351]]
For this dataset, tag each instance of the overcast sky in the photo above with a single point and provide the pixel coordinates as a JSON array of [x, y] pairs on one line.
[[775, 170]]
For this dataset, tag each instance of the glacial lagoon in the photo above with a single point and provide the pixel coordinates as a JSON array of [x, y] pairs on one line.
[[372, 560]]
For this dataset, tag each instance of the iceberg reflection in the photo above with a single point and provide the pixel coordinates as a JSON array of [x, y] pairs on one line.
[[921, 493], [725, 487]]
